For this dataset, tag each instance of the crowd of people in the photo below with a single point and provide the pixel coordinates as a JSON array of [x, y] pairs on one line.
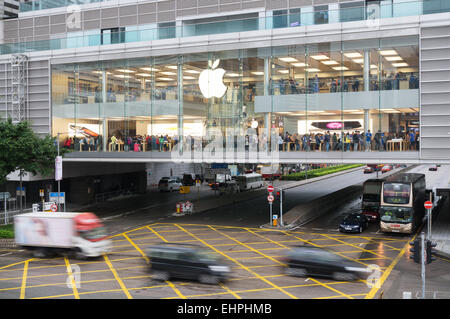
[[137, 143], [320, 141], [348, 141], [343, 84]]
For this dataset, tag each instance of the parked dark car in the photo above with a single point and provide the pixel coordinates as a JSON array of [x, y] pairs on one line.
[[368, 170], [187, 262], [188, 180], [354, 223], [314, 261]]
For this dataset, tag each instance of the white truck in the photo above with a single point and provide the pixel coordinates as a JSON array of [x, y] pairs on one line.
[[49, 233], [270, 172]]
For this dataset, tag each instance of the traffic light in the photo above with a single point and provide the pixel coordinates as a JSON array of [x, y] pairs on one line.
[[415, 250], [429, 251]]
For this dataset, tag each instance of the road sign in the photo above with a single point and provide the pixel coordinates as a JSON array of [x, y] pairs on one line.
[[50, 207], [53, 207], [270, 188], [270, 198], [20, 192], [428, 205], [53, 196], [58, 168]]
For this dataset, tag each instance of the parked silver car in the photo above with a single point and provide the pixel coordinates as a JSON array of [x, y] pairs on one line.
[[169, 185]]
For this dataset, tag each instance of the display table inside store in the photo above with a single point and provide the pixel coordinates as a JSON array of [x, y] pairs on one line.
[[392, 145], [112, 146]]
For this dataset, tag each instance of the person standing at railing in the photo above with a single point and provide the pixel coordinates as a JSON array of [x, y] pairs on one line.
[[316, 84], [362, 143], [327, 141], [347, 142], [304, 143], [334, 141], [412, 140], [368, 141], [355, 141]]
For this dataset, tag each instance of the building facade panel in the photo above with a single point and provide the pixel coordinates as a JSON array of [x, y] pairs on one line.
[[311, 71]]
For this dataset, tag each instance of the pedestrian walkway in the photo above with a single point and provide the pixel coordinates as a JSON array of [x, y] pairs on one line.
[[440, 230]]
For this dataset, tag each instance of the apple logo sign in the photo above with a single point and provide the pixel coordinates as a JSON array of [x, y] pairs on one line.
[[211, 81]]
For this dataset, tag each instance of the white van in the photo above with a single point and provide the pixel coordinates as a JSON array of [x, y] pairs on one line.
[[169, 185], [250, 181]]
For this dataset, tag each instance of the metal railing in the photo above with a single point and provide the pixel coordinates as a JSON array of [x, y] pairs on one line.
[[7, 217], [101, 197]]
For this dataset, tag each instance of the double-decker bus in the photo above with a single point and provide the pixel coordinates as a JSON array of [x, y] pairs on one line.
[[401, 207], [371, 198]]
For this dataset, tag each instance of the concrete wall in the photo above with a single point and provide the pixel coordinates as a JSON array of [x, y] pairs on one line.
[[435, 92]]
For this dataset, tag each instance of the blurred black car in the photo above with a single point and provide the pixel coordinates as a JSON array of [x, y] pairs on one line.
[[354, 223], [314, 261], [187, 262]]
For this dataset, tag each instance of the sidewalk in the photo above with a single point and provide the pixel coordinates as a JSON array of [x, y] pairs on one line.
[[304, 213], [440, 230]]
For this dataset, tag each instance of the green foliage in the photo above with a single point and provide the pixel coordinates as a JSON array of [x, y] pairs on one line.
[[7, 231], [318, 172], [22, 149]]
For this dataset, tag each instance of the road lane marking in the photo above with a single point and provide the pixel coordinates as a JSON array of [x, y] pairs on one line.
[[137, 248], [24, 279], [248, 247], [313, 244], [331, 288], [354, 245], [387, 271], [177, 291], [173, 287], [237, 262], [15, 264], [116, 275], [72, 280], [322, 284], [157, 234]]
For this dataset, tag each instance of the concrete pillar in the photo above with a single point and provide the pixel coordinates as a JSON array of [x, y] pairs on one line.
[[267, 92], [366, 70], [366, 87], [180, 102], [105, 122], [366, 120]]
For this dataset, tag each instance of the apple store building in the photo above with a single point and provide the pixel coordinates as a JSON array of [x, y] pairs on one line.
[[335, 87]]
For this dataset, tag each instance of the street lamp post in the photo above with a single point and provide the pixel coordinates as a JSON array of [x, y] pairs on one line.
[[59, 182]]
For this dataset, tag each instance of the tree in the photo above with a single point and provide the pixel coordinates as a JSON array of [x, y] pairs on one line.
[[21, 149]]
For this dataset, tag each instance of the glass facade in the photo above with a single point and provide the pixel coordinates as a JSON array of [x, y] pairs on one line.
[[294, 17], [336, 97]]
